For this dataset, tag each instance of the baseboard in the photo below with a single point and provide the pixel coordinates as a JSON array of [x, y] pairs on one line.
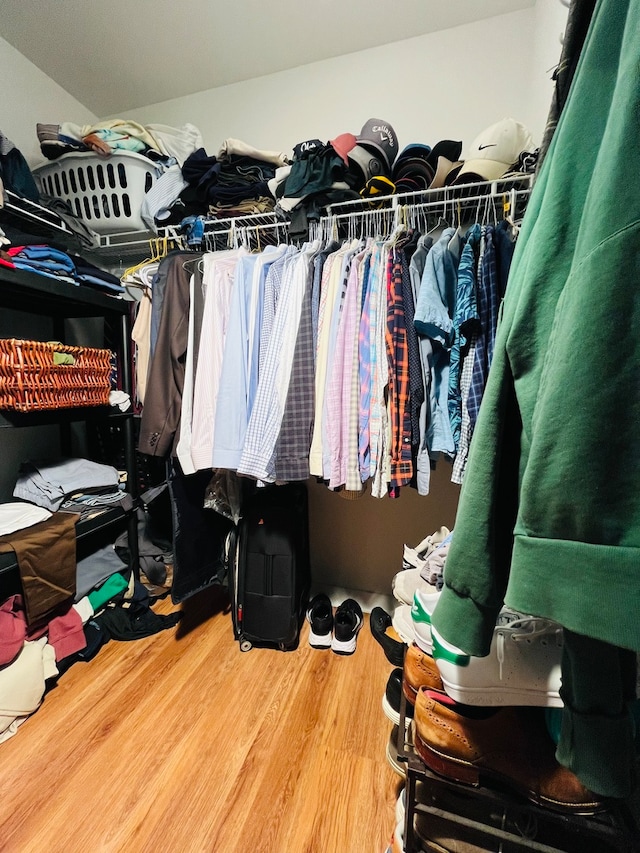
[[366, 600]]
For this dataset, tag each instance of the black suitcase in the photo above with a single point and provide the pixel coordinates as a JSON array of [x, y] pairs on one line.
[[270, 574]]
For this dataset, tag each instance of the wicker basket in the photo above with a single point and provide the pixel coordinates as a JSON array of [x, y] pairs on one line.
[[30, 381]]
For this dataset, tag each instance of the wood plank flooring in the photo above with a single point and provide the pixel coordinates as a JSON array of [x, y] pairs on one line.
[[180, 742]]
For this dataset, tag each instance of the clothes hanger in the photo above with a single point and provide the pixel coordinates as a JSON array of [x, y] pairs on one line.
[[209, 241], [490, 211], [362, 224], [479, 202], [456, 242], [381, 230], [351, 229], [459, 214], [163, 247], [130, 272], [422, 221], [285, 233], [258, 243], [400, 228], [441, 224], [412, 217], [190, 264], [508, 211]]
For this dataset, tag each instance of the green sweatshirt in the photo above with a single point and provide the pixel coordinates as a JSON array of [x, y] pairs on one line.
[[549, 513]]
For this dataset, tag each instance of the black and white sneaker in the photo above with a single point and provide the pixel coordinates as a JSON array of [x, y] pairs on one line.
[[319, 615], [348, 621], [393, 697]]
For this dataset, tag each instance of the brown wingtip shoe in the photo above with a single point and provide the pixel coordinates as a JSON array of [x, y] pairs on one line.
[[511, 746], [419, 670]]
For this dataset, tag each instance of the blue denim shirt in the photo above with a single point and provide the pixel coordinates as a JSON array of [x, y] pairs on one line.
[[434, 319]]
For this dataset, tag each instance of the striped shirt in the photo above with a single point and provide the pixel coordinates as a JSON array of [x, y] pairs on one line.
[[340, 380], [258, 455]]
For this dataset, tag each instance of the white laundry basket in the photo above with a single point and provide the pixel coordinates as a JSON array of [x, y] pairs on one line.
[[105, 192]]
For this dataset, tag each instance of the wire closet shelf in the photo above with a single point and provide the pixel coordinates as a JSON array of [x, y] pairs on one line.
[[485, 202]]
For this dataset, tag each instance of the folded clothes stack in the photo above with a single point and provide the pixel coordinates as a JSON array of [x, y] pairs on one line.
[[48, 484], [49, 261], [230, 181], [233, 182], [41, 259]]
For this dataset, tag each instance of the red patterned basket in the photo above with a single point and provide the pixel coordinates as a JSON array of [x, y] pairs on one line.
[[30, 381]]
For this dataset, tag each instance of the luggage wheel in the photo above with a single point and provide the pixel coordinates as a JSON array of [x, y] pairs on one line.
[[246, 645]]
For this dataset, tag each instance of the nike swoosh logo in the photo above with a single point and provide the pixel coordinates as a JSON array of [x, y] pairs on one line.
[[490, 145]]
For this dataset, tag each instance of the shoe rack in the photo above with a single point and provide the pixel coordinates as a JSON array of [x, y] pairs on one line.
[[500, 821]]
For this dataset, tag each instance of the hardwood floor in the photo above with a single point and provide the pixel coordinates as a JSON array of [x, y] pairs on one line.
[[180, 742]]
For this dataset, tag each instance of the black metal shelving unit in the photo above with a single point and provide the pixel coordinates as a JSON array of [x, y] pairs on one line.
[[61, 300], [499, 820]]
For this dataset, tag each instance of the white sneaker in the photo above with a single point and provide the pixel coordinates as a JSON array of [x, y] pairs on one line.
[[432, 567], [423, 606], [392, 754], [403, 624], [522, 667], [411, 556], [347, 623], [400, 806], [404, 589], [398, 839], [404, 583]]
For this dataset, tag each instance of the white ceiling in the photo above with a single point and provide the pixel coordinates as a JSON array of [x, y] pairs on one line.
[[118, 55]]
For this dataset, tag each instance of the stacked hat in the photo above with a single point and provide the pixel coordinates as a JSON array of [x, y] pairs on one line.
[[378, 137], [370, 154], [494, 151], [303, 149], [420, 167], [412, 170], [445, 159], [343, 145], [377, 187], [365, 164]]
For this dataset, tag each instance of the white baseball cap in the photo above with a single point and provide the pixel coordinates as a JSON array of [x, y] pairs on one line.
[[494, 151]]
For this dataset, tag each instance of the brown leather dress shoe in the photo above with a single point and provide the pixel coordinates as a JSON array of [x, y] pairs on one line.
[[511, 746], [419, 670]]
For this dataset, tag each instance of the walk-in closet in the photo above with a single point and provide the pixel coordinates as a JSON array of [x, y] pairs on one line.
[[318, 403]]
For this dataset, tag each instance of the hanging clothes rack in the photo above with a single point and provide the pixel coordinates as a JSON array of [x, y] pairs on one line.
[[359, 223], [507, 194], [506, 198], [232, 231], [488, 201]]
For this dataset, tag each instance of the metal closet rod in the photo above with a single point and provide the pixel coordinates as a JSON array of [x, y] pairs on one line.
[[511, 195], [359, 214], [241, 226], [402, 212], [450, 193], [229, 226], [251, 220], [399, 204]]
